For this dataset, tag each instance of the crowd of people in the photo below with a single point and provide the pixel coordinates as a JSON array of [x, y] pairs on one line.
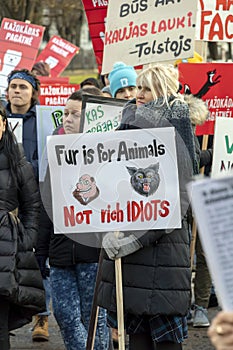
[[38, 266]]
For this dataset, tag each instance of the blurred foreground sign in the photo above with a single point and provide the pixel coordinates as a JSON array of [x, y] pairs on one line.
[[212, 202]]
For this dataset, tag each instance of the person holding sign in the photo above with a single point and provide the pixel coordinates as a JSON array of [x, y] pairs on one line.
[[73, 264], [21, 288], [123, 81], [156, 263]]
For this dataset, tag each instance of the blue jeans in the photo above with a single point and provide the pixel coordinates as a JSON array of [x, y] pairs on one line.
[[72, 290]]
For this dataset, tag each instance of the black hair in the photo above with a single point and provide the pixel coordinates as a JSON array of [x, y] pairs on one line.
[[90, 90], [91, 82], [10, 146]]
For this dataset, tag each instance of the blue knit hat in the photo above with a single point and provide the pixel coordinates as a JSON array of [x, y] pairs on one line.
[[121, 76]]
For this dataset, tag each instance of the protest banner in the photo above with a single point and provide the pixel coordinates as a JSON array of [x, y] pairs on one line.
[[148, 31], [94, 172], [212, 83], [57, 53], [214, 20], [96, 13], [100, 114], [19, 44], [212, 202], [223, 148], [48, 118], [54, 94]]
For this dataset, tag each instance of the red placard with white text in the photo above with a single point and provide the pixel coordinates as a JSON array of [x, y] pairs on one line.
[[96, 12], [19, 44], [212, 82], [58, 53], [56, 94]]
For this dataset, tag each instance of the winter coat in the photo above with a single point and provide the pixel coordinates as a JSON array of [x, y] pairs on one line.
[[29, 136], [157, 277], [20, 278]]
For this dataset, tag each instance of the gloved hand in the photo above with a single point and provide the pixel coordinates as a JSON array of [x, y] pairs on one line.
[[119, 246], [41, 259]]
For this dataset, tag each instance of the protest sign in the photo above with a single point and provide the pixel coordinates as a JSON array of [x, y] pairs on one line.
[[114, 181], [16, 126], [148, 31], [212, 83], [53, 94], [222, 164], [212, 202], [48, 119], [57, 53], [96, 12], [100, 114], [19, 44], [214, 20]]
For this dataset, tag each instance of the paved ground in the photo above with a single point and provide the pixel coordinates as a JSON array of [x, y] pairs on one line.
[[197, 340]]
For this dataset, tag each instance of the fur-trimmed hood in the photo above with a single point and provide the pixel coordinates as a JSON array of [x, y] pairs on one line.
[[198, 110]]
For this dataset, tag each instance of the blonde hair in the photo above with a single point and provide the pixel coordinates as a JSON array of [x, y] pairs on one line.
[[162, 81]]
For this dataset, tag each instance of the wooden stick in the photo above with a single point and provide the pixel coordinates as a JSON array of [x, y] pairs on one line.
[[119, 300]]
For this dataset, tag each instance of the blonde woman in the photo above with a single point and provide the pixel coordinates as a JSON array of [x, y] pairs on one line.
[[156, 263]]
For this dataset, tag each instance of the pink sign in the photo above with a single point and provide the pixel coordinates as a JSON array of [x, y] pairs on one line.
[[58, 53], [19, 44]]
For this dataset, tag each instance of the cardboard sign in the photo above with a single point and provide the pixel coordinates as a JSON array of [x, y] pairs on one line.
[[16, 126], [148, 31], [100, 114], [212, 202], [214, 20], [212, 83], [58, 53], [19, 44], [222, 164], [56, 94], [96, 181], [47, 119], [96, 12]]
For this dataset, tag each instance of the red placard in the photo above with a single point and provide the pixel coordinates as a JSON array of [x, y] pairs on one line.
[[19, 44], [96, 12], [58, 53], [212, 82], [56, 94]]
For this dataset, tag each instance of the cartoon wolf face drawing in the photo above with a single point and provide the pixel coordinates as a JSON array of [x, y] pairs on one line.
[[145, 181]]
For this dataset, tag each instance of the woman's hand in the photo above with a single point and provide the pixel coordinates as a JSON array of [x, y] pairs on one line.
[[221, 331]]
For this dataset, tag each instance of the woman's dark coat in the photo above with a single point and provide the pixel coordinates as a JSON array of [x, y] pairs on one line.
[[20, 278], [157, 278]]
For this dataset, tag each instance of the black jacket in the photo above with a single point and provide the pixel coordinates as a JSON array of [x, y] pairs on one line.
[[157, 277], [20, 278]]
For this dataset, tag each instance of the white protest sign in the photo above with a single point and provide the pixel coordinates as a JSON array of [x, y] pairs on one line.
[[16, 126], [47, 118], [91, 176], [222, 164], [101, 114], [148, 31], [212, 202], [214, 20]]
